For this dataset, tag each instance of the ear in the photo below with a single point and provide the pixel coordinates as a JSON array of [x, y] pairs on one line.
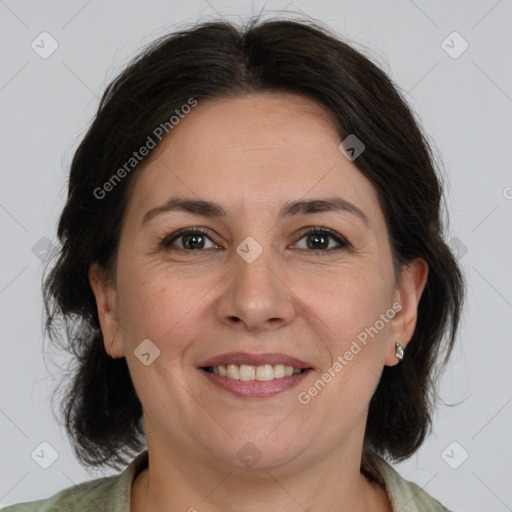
[[105, 293], [408, 294]]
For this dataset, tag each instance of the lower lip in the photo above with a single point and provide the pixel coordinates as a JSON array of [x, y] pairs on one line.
[[256, 388]]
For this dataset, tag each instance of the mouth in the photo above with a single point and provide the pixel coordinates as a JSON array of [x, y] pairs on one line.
[[246, 372], [255, 376]]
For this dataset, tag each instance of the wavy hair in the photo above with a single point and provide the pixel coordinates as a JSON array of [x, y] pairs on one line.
[[218, 59]]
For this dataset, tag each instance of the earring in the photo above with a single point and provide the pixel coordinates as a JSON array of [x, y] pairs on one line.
[[399, 351], [111, 343]]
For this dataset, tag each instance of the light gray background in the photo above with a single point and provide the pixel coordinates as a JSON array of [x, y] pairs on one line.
[[465, 105]]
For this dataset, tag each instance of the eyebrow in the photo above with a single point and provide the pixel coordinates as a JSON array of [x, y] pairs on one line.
[[290, 209]]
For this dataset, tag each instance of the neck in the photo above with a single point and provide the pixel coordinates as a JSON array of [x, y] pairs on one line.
[[176, 480]]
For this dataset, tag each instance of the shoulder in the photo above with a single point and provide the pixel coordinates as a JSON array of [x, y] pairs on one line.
[[404, 495], [110, 493], [85, 496]]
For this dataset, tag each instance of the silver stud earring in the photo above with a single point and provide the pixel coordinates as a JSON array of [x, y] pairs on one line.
[[399, 351]]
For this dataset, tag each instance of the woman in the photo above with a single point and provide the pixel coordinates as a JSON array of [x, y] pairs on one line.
[[253, 278]]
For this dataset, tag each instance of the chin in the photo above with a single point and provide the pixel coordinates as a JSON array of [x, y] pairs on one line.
[[265, 449]]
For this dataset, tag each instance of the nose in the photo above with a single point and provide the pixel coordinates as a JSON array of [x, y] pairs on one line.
[[257, 295]]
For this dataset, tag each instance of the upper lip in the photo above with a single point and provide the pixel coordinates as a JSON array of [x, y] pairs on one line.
[[239, 358]]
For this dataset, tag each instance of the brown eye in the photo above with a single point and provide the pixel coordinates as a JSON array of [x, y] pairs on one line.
[[318, 240], [191, 240]]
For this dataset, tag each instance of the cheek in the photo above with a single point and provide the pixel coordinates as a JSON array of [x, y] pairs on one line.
[[358, 330], [156, 306], [348, 302], [354, 337]]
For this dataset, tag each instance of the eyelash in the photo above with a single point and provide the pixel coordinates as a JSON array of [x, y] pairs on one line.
[[343, 243]]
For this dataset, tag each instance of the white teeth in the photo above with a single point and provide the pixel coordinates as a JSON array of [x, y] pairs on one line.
[[265, 372], [233, 372], [278, 371], [246, 372]]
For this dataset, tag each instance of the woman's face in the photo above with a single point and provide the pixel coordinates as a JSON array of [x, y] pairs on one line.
[[254, 283]]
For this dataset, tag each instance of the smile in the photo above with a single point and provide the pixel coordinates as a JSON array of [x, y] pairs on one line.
[[252, 386], [247, 372]]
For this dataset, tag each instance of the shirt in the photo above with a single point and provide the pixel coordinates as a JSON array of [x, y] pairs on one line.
[[113, 493]]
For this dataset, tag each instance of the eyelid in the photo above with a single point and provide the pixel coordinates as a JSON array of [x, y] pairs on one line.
[[166, 241], [322, 230]]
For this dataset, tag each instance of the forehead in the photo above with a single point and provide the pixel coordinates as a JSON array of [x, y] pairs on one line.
[[250, 152]]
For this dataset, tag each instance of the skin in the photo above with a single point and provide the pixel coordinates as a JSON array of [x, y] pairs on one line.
[[252, 154]]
